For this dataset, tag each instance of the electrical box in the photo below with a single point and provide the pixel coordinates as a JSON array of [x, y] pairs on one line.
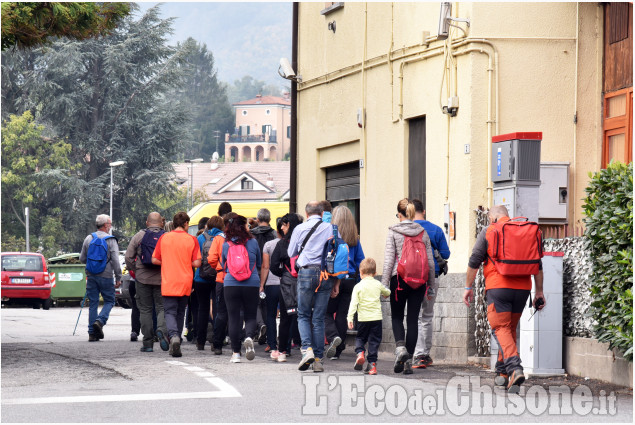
[[554, 193], [520, 200], [516, 158]]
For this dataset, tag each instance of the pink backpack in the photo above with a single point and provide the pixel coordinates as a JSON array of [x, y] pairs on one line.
[[238, 262], [413, 265]]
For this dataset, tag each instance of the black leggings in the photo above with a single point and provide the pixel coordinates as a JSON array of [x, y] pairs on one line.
[[398, 299], [338, 306], [204, 291], [288, 322], [245, 297]]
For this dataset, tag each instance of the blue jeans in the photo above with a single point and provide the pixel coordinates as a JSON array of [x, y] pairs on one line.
[[313, 297], [95, 286]]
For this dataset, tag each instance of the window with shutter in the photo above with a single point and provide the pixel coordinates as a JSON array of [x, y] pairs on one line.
[[618, 127]]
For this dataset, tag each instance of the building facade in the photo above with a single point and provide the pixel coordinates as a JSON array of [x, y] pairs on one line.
[[387, 109], [262, 130]]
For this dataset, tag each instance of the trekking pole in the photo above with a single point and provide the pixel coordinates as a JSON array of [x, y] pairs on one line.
[[80, 312]]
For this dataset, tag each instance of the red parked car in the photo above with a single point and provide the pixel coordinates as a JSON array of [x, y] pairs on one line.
[[25, 278]]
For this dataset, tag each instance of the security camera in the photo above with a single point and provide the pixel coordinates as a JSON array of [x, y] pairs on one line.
[[444, 20], [285, 70]]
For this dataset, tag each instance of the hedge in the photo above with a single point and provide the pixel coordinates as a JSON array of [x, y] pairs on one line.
[[609, 226]]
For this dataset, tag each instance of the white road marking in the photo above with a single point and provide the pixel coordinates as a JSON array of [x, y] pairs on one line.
[[194, 369], [204, 374], [176, 362]]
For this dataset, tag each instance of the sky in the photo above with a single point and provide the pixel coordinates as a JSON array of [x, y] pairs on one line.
[[245, 38]]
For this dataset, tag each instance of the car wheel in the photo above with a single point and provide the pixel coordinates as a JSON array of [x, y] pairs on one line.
[[46, 304]]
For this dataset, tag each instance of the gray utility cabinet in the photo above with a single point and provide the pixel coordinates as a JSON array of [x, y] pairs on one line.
[[516, 158]]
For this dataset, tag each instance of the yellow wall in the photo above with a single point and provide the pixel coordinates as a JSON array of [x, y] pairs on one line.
[[246, 209], [539, 76]]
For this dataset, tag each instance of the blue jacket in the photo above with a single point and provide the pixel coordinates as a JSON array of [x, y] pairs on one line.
[[355, 257], [437, 240], [201, 241], [255, 262]]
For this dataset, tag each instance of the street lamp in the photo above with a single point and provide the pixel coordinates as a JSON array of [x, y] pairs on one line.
[[112, 166], [191, 175]]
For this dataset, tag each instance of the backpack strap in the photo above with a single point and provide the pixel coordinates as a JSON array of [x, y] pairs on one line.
[[313, 229]]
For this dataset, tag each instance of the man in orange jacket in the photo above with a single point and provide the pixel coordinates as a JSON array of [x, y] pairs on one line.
[[506, 298], [176, 252]]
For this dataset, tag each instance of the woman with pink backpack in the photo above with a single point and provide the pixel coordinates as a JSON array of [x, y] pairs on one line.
[[408, 272], [241, 260]]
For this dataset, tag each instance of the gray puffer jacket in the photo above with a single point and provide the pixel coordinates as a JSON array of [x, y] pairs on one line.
[[394, 243]]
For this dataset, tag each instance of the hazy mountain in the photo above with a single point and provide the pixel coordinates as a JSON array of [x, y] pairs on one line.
[[245, 38]]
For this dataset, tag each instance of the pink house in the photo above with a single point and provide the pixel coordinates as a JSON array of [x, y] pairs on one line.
[[262, 130]]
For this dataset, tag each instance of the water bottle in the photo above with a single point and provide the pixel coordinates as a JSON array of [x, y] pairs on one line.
[[263, 295], [330, 257]]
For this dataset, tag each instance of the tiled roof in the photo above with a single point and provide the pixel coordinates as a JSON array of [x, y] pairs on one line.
[[228, 171], [265, 100]]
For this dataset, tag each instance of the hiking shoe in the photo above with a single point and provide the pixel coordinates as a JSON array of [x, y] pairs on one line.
[[217, 351], [307, 359], [359, 362], [515, 380], [407, 367], [418, 363], [92, 338], [249, 349], [146, 349], [97, 329], [318, 366], [500, 380], [235, 358], [371, 369], [163, 340], [332, 348], [134, 336], [175, 346], [200, 347], [262, 335], [427, 360], [400, 359], [268, 349], [282, 357], [274, 355], [155, 339]]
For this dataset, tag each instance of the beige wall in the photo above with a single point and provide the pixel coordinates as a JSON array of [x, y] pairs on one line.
[[537, 86], [279, 118]]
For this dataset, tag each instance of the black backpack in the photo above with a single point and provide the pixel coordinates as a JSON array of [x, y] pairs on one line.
[[148, 244], [206, 271]]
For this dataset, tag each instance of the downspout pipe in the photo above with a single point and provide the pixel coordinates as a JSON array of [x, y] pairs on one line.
[[293, 149]]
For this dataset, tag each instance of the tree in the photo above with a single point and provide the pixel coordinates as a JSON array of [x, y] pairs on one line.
[[211, 115], [248, 88], [30, 163], [31, 24], [110, 99]]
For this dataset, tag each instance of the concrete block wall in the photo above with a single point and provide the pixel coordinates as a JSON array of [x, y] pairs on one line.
[[453, 323]]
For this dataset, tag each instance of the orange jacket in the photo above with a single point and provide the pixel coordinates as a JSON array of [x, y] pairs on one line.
[[214, 256]]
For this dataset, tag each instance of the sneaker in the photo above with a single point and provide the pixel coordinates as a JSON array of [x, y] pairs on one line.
[[318, 366], [97, 329], [226, 340], [249, 349], [189, 335], [175, 346], [217, 351], [371, 369], [407, 367], [515, 380], [146, 349], [268, 349], [163, 340], [134, 336], [500, 380], [92, 338], [200, 347], [262, 335], [235, 358], [282, 357], [427, 360], [400, 358], [418, 363], [335, 358], [332, 348], [274, 355], [155, 339], [307, 359], [359, 362]]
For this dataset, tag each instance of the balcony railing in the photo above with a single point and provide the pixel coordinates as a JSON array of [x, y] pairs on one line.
[[258, 138]]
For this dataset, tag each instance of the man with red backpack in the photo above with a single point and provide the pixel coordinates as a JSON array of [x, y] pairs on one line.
[[408, 272], [148, 281], [511, 251]]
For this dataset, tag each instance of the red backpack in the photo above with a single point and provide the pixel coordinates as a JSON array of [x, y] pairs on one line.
[[413, 265], [237, 263], [515, 247]]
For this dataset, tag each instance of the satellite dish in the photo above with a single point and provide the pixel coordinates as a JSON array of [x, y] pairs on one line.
[[215, 156]]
